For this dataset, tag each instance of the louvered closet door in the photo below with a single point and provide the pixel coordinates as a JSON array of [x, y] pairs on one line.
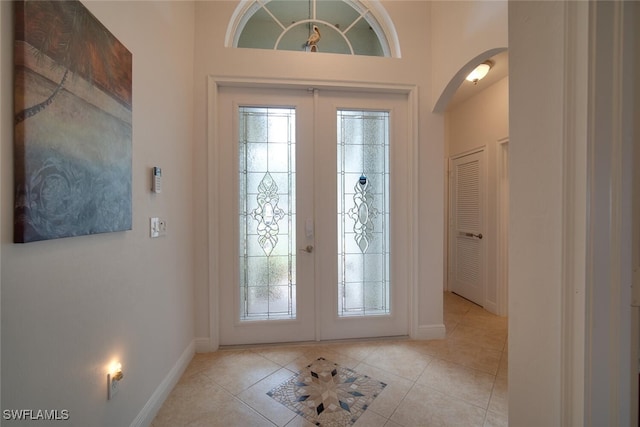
[[467, 242]]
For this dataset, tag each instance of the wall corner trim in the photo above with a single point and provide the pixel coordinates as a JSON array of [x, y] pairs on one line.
[[430, 332], [151, 408]]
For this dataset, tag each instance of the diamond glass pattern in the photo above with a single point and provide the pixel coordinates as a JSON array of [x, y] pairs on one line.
[[266, 170], [363, 213]]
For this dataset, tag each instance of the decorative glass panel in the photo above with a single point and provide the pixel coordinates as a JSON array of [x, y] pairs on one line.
[[363, 213], [344, 26], [267, 220]]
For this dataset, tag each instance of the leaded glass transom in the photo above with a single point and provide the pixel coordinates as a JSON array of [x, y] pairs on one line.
[[363, 213], [267, 213], [347, 27]]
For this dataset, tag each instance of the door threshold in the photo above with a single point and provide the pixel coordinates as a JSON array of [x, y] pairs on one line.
[[314, 343]]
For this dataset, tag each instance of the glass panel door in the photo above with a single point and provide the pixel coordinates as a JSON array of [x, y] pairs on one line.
[[365, 244], [314, 225], [266, 283]]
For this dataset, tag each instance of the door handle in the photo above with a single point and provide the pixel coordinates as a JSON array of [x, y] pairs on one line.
[[308, 249], [479, 235]]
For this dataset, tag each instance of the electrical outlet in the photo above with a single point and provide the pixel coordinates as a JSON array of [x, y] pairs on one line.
[[112, 386], [162, 226]]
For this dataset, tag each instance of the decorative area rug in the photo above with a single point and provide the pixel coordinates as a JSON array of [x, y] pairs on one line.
[[327, 394]]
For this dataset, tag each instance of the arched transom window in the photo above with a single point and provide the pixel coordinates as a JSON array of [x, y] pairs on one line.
[[350, 27]]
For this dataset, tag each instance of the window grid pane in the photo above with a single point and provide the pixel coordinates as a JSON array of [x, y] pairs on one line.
[[363, 213], [266, 152], [346, 27]]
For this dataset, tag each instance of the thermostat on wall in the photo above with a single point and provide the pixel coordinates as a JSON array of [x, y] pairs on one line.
[[156, 181]]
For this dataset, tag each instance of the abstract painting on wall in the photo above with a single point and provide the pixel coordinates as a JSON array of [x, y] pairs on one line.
[[73, 124]]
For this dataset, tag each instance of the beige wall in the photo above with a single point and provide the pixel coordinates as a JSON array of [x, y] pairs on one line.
[[536, 128], [71, 306], [461, 31], [480, 122]]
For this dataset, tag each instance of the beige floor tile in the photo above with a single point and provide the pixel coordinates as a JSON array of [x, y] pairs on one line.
[[370, 419], [480, 318], [455, 304], [451, 321], [239, 370], [256, 397], [281, 355], [200, 362], [495, 419], [437, 348], [458, 381], [429, 383], [189, 401], [315, 352], [396, 389], [357, 350], [503, 368], [499, 396], [232, 414], [487, 338], [472, 356], [426, 407], [299, 421], [399, 358]]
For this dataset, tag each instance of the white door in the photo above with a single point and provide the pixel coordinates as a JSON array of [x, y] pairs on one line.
[[311, 248], [467, 244]]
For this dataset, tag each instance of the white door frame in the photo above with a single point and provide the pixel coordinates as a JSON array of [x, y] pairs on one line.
[[214, 181], [502, 266]]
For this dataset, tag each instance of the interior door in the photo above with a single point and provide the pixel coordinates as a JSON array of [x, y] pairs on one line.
[[466, 239], [312, 251]]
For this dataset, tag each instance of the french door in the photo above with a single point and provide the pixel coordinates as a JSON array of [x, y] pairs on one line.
[[314, 229]]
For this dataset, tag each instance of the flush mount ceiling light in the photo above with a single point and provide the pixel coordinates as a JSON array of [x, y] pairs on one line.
[[479, 72]]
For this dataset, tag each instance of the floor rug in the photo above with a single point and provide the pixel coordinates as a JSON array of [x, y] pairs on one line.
[[327, 394]]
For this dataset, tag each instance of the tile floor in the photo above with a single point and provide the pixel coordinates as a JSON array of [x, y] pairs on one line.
[[458, 381]]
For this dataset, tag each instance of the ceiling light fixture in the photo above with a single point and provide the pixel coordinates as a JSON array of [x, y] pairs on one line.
[[479, 72]]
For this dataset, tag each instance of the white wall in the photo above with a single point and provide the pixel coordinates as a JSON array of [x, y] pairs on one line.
[[611, 143], [482, 121], [570, 265], [460, 32], [71, 306], [535, 241], [409, 18]]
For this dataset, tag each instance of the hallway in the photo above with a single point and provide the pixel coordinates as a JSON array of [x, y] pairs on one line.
[[458, 381]]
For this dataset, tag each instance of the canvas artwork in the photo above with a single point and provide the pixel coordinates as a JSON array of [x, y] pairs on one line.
[[73, 124]]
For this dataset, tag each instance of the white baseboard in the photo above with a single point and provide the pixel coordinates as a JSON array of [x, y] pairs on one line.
[[430, 332], [203, 345], [151, 408], [491, 307]]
